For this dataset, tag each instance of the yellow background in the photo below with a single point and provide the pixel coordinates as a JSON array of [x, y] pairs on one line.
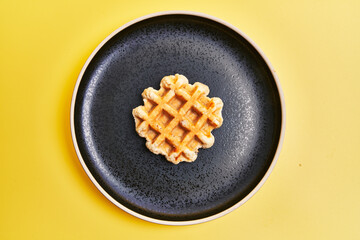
[[314, 190]]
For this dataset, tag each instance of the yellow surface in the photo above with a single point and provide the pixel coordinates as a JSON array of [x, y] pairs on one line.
[[314, 191]]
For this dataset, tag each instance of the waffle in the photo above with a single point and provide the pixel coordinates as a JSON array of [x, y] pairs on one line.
[[177, 119]]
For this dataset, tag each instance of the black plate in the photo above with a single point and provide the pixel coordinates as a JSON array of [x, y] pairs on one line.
[[137, 57]]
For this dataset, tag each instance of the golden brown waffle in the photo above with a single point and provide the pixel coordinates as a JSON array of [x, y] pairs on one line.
[[178, 119]]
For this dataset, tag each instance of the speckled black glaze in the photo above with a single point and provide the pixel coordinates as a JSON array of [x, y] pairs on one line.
[[204, 51]]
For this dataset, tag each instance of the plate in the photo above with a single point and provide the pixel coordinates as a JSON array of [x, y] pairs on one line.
[[204, 49]]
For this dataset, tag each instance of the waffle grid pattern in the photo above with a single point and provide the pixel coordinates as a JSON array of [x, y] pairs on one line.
[[178, 119]]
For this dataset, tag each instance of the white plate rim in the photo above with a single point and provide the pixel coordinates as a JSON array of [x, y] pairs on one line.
[[253, 191]]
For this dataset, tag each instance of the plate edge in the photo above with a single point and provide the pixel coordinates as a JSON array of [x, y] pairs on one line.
[[282, 130]]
